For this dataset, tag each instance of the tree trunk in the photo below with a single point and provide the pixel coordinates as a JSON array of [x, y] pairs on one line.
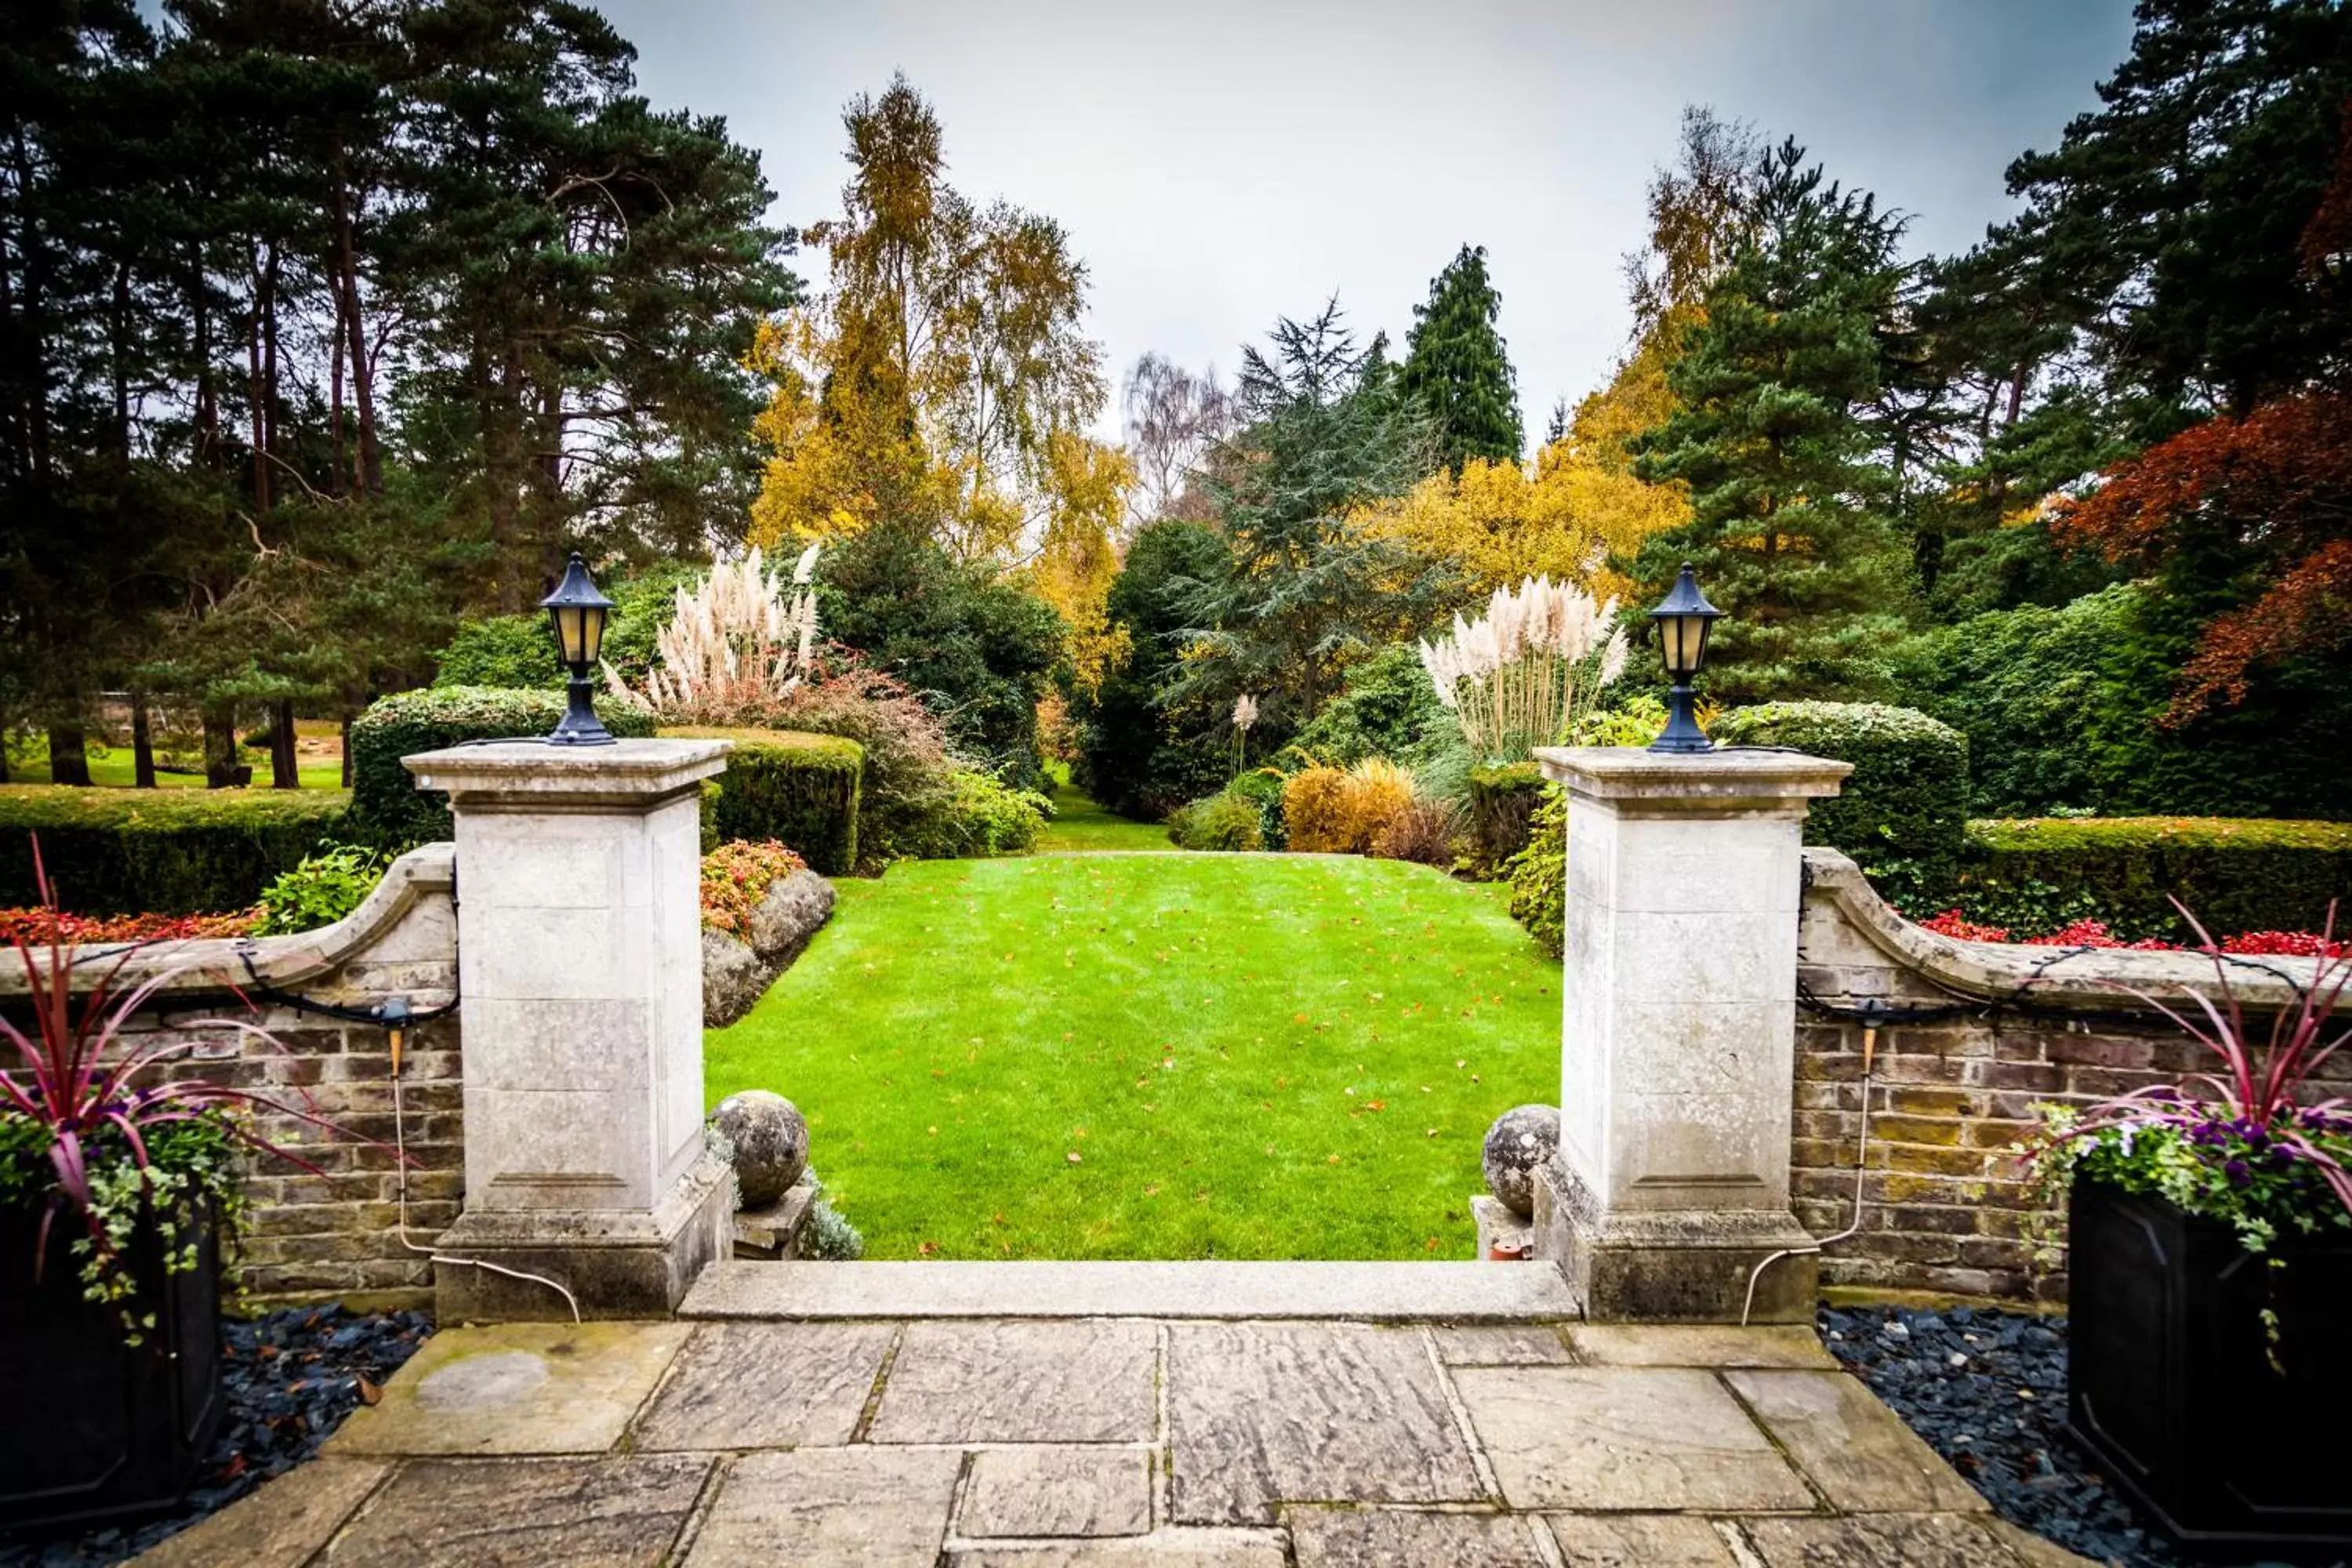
[[347, 751], [69, 758], [285, 770], [143, 745], [220, 747], [347, 285]]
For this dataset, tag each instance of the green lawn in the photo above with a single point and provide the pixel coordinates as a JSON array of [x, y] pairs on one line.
[[1081, 825], [114, 771], [1165, 1056]]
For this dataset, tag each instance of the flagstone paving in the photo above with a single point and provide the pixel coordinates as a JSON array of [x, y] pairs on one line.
[[1117, 1443]]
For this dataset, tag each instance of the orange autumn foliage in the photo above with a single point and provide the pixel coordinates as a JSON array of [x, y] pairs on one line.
[[2278, 486]]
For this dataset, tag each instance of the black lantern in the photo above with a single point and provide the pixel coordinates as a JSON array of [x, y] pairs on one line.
[[577, 611], [1684, 620]]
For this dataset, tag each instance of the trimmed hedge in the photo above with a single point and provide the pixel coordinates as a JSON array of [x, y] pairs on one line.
[[2235, 874], [1902, 815], [799, 789], [387, 809], [1503, 801], [165, 852]]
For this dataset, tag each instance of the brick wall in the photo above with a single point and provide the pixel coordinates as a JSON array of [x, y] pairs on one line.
[[1943, 1206], [334, 1234]]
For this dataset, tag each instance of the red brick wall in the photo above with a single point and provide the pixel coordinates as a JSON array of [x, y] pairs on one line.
[[1944, 1208]]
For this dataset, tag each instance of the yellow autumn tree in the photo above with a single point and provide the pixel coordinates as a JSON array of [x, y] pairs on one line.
[[1079, 557], [1563, 516], [932, 379]]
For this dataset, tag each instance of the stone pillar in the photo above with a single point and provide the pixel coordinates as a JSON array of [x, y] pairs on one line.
[[580, 977], [1678, 1038]]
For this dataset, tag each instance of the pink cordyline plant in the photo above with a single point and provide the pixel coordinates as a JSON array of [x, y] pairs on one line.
[[2259, 1094], [68, 1087]]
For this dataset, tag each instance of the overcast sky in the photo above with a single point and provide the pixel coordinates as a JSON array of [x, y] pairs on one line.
[[1218, 164]]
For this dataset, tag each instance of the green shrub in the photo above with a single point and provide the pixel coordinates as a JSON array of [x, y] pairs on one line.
[[975, 816], [1137, 755], [1225, 821], [2062, 710], [1539, 873], [330, 882], [1386, 708], [1503, 801], [388, 811], [166, 852], [506, 651], [2235, 874], [1262, 787], [1903, 813], [799, 789]]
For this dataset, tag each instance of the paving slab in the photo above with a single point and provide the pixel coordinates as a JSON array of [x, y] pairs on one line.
[[1858, 1451], [1640, 1540], [1576, 1437], [1875, 1540], [1160, 1548], [1266, 1413], [610, 1512], [1057, 1491], [280, 1524], [1366, 1292], [766, 1385], [1400, 1538], [1699, 1344], [1088, 1381], [515, 1388], [878, 1508], [1502, 1344]]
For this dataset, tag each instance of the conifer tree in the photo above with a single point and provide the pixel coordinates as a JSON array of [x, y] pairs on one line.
[[1456, 369], [1786, 486]]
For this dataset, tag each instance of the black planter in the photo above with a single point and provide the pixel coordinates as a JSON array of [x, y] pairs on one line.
[[2171, 1388], [99, 1429]]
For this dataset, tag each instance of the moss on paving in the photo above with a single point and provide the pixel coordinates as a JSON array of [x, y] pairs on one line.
[[1163, 1056]]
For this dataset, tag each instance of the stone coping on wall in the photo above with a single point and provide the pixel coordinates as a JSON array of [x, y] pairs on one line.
[[211, 965], [546, 776], [1725, 782], [2087, 979]]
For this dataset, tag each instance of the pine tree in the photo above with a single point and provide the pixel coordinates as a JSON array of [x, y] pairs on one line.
[[1326, 432], [1456, 369], [1771, 435]]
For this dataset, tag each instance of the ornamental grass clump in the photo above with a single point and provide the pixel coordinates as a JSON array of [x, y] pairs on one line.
[[1523, 674], [2253, 1150], [733, 646]]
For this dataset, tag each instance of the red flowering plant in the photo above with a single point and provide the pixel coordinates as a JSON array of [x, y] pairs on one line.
[[736, 875], [2255, 1149], [91, 1135]]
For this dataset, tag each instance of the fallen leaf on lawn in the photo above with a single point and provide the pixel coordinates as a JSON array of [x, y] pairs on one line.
[[1433, 1132], [928, 1249], [1073, 1157], [1377, 1105], [1332, 1161]]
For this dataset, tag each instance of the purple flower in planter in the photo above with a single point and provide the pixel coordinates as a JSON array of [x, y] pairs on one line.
[[2237, 1173]]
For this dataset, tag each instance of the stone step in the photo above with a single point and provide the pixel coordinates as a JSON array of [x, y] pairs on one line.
[[1376, 1292]]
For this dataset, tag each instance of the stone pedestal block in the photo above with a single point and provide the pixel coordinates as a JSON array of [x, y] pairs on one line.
[[1678, 1033], [579, 970]]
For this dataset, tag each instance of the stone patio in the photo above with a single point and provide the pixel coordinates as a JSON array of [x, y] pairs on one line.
[[835, 1434]]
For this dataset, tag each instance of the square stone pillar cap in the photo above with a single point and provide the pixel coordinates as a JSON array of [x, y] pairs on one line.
[[1632, 782], [517, 774]]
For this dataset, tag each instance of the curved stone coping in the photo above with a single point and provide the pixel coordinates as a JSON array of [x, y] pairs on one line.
[[211, 965], [2095, 979]]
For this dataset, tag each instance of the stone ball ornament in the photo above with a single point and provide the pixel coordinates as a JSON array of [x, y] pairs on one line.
[[1522, 1139], [772, 1143]]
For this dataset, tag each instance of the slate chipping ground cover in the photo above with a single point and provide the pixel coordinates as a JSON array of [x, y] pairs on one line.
[[292, 1376], [1155, 1056]]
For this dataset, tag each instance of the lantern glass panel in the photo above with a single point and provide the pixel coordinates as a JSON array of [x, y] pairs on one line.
[[1684, 639]]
